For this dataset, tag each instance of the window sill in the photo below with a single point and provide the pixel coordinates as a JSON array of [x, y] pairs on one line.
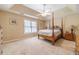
[[31, 33]]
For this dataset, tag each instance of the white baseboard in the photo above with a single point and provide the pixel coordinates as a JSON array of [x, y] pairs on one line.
[[9, 41]]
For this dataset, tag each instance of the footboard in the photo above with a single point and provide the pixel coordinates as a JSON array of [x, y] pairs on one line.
[[52, 39]]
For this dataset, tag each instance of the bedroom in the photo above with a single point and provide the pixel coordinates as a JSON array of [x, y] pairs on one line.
[[15, 19]]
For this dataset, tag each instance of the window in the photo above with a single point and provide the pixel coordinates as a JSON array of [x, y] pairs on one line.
[[30, 26]]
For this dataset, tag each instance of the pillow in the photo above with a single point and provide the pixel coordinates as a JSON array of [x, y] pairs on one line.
[[56, 27]]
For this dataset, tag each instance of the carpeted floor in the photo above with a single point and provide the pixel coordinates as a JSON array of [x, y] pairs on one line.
[[34, 46]]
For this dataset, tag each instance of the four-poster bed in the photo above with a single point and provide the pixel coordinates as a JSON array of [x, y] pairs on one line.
[[52, 34]]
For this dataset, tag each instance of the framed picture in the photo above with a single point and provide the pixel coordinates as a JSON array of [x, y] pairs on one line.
[[12, 20]]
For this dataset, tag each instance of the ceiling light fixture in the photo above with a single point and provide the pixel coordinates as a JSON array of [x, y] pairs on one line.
[[45, 12]]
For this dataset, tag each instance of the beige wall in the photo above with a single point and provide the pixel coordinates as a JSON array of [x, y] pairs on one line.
[[72, 19], [59, 14], [69, 17], [12, 32]]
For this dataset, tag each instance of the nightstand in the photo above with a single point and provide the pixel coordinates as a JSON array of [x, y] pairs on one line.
[[68, 36]]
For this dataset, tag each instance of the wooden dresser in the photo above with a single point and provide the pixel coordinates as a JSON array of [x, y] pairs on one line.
[[1, 37], [68, 36], [77, 45]]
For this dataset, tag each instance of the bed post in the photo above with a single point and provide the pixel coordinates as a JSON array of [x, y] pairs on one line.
[[62, 28], [53, 24], [53, 38], [38, 29]]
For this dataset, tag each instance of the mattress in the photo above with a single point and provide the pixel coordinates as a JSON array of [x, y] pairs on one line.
[[48, 32]]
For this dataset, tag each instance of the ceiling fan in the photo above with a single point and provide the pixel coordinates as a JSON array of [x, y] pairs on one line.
[[45, 12]]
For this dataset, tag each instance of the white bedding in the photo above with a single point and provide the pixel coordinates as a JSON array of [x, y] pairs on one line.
[[48, 32]]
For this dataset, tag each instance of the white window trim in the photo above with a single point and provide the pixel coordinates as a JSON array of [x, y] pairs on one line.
[[30, 27]]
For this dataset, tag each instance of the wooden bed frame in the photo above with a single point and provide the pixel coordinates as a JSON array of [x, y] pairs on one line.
[[53, 38]]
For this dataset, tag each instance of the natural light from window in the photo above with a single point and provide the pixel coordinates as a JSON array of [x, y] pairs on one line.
[[30, 26]]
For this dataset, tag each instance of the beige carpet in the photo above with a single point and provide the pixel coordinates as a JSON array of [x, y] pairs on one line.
[[69, 45], [34, 46]]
